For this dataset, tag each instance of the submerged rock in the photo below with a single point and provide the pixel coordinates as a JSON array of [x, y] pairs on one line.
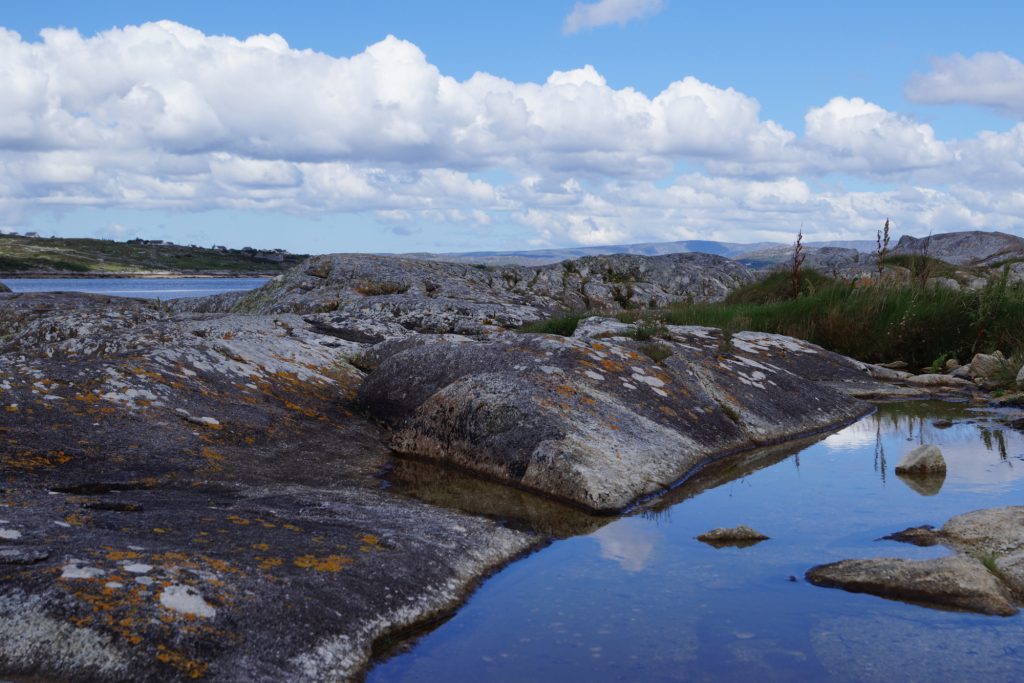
[[741, 536], [925, 459], [952, 582]]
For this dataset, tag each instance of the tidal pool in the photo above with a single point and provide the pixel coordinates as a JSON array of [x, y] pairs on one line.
[[638, 598]]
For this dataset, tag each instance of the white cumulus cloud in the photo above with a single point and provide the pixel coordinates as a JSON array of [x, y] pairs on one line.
[[587, 15], [162, 116], [989, 79]]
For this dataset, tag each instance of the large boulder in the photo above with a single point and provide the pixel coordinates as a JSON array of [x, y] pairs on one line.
[[975, 247], [597, 422], [924, 459]]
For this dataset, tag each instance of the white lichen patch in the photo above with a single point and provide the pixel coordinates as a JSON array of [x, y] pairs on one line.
[[648, 380], [594, 375], [138, 568], [551, 370], [10, 534], [77, 569], [187, 600]]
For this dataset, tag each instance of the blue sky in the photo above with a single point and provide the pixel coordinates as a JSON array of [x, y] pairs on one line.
[[785, 58]]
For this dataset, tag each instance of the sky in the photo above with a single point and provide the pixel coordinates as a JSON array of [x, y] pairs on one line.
[[464, 126]]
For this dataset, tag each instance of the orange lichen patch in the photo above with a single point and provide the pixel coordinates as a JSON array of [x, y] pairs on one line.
[[30, 459], [668, 411], [565, 390], [75, 519], [611, 366], [228, 335], [192, 668], [118, 555], [261, 546], [88, 399], [235, 519], [170, 557], [211, 454], [268, 563], [329, 563], [158, 530], [11, 409], [291, 527], [370, 539], [308, 412]]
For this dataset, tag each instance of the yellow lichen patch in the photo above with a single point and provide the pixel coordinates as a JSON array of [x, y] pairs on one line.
[[11, 409], [261, 546], [370, 539], [118, 555], [240, 521], [291, 527], [158, 530], [329, 563], [190, 667], [88, 399]]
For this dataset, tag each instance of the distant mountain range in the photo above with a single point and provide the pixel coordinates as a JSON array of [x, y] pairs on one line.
[[757, 254]]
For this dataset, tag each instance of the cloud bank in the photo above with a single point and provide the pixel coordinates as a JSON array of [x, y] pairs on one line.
[[161, 116]]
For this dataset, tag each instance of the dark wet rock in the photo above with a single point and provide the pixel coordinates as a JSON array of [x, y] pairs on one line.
[[924, 459], [942, 424], [432, 296], [4, 289], [923, 536], [739, 536], [595, 422], [955, 582]]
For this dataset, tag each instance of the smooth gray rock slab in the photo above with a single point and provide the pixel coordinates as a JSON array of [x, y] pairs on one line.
[[598, 423], [955, 582]]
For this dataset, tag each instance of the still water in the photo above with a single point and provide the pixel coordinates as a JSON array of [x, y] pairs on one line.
[[638, 598], [144, 288]]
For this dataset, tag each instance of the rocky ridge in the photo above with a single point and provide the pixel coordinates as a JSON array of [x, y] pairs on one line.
[[198, 494]]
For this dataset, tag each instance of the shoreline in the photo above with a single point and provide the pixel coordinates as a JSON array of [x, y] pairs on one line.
[[135, 276]]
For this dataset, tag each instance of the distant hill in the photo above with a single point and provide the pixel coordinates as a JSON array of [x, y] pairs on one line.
[[757, 254], [41, 257]]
